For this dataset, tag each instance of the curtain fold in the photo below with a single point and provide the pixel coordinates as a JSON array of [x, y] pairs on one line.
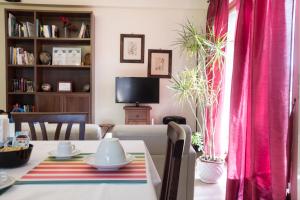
[[260, 101], [217, 21]]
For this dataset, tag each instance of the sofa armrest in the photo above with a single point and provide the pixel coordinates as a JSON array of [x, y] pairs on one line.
[[154, 136]]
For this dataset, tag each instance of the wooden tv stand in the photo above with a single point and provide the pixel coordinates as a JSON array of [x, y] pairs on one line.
[[137, 114]]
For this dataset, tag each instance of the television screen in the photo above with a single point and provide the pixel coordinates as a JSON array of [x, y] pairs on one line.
[[137, 90]]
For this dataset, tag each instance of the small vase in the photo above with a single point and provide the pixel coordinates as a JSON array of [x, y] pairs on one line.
[[66, 35]]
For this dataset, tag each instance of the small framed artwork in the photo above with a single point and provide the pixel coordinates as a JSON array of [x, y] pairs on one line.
[[132, 48], [64, 86], [159, 63]]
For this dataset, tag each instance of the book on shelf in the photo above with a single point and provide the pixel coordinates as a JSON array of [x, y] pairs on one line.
[[54, 30], [24, 30], [19, 56], [11, 24], [46, 31], [22, 85], [49, 31], [19, 29], [82, 30], [30, 29], [37, 28]]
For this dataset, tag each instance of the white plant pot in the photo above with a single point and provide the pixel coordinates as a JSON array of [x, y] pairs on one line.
[[209, 171]]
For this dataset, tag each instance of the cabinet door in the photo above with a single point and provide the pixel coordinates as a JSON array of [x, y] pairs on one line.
[[77, 103], [49, 103]]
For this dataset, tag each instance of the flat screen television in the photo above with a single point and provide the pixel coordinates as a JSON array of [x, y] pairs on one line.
[[137, 90]]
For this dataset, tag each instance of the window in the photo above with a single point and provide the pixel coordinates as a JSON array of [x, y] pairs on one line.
[[225, 110]]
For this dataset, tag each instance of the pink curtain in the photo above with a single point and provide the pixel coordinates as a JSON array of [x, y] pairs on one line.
[[217, 20], [259, 110]]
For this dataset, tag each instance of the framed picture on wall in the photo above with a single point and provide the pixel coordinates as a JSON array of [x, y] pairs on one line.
[[159, 63], [132, 48]]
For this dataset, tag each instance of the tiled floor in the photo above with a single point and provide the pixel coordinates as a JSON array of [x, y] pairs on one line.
[[205, 191]]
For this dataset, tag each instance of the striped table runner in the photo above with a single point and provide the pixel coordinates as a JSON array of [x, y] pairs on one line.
[[75, 170]]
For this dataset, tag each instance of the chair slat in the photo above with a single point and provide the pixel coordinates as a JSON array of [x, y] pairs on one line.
[[44, 131], [32, 130], [57, 131], [68, 132], [81, 131]]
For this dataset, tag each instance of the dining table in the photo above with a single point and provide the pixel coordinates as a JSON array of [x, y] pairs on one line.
[[131, 189]]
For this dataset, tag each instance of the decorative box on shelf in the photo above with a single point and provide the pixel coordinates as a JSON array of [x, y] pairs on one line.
[[66, 56]]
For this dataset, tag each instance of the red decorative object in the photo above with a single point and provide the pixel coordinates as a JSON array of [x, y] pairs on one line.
[[65, 20]]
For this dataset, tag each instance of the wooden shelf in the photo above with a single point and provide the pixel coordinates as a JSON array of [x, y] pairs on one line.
[[21, 93], [49, 39], [20, 38], [63, 93], [64, 39], [52, 74], [20, 66], [64, 66]]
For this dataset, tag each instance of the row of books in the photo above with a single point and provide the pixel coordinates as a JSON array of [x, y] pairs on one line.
[[48, 31], [23, 108], [19, 56], [19, 29], [28, 108], [51, 31], [22, 85]]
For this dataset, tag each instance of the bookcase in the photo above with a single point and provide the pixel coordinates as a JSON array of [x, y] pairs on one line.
[[26, 38]]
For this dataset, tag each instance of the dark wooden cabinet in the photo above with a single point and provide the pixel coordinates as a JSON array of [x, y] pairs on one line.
[[63, 102], [49, 103], [76, 101], [137, 114]]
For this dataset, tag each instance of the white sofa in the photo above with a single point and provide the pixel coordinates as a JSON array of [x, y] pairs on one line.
[[155, 138]]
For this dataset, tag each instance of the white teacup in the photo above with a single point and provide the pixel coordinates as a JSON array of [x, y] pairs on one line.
[[3, 177], [65, 148], [110, 152]]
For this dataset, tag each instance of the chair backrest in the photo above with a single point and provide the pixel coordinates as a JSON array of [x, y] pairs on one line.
[[58, 118], [176, 138]]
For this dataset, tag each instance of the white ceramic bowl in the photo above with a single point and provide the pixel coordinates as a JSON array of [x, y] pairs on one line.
[[110, 152]]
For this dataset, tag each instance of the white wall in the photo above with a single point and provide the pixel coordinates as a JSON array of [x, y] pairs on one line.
[[158, 24], [186, 4]]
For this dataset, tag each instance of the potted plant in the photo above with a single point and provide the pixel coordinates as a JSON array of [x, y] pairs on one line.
[[198, 87], [198, 143]]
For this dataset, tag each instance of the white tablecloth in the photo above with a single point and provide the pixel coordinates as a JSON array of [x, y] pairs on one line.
[[82, 191]]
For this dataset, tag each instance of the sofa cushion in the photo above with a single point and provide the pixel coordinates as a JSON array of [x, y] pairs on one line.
[[92, 131], [154, 136]]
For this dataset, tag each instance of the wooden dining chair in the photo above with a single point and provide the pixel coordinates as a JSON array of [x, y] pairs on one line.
[[58, 118], [176, 138]]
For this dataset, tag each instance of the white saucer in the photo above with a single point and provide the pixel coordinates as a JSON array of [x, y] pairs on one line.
[[91, 160], [10, 181], [57, 156]]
